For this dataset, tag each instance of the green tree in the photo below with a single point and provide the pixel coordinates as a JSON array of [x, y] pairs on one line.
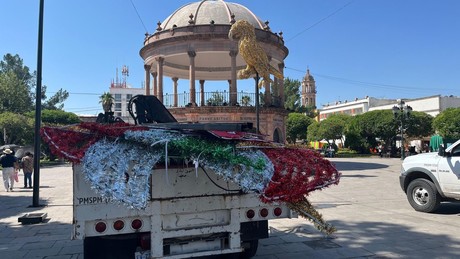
[[419, 124], [16, 85], [313, 132], [14, 94], [291, 94], [16, 129], [245, 100], [296, 127], [334, 127], [55, 102], [56, 117], [447, 123], [216, 99], [15, 65]]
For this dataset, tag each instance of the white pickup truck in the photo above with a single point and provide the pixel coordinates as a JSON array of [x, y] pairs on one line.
[[431, 178]]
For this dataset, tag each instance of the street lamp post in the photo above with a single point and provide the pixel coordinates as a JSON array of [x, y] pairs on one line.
[[402, 112]]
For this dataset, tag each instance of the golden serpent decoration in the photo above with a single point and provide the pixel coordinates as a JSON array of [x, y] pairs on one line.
[[306, 210], [253, 54]]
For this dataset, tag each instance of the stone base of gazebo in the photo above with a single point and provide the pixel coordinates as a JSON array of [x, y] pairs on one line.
[[271, 120]]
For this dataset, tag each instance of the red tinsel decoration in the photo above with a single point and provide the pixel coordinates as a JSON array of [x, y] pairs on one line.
[[297, 173], [71, 143]]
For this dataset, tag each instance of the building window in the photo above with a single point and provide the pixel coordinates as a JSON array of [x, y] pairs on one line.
[[117, 97], [117, 106]]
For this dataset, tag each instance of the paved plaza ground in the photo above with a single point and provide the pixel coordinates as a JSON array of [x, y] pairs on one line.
[[368, 208]]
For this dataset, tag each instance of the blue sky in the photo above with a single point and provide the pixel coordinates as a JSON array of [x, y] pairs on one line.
[[353, 48]]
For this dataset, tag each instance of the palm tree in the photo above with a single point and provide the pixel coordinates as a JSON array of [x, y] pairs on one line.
[[107, 101]]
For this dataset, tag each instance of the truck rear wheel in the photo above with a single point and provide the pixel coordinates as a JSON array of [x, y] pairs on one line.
[[250, 249], [423, 195]]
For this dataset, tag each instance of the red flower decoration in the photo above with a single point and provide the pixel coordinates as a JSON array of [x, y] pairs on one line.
[[297, 173]]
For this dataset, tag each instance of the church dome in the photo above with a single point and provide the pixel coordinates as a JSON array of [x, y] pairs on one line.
[[210, 12]]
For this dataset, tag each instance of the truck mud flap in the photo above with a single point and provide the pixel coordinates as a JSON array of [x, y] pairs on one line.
[[116, 247], [254, 230]]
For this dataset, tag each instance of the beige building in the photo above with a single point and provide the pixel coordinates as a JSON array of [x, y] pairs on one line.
[[431, 105]]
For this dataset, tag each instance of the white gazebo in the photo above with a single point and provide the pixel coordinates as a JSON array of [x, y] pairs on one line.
[[192, 44]]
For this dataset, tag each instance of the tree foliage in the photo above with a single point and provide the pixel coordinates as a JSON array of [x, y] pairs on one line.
[[334, 127], [313, 132], [14, 94], [447, 123], [296, 127], [419, 124], [16, 129], [56, 117], [291, 94], [16, 88], [365, 130]]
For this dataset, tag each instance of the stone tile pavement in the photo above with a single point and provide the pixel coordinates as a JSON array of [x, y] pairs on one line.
[[372, 215]]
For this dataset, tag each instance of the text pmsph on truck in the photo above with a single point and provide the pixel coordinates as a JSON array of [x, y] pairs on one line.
[[162, 189], [431, 178]]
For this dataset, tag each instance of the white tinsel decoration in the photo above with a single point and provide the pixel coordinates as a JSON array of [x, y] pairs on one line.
[[107, 164]]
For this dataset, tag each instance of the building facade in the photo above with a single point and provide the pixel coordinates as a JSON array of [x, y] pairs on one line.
[[431, 105]]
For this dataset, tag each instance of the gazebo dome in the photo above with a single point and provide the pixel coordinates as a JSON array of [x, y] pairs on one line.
[[200, 29], [210, 11]]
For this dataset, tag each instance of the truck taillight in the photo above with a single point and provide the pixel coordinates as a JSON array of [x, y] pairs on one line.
[[136, 224], [263, 212], [277, 211], [145, 242], [250, 214], [118, 225], [100, 227]]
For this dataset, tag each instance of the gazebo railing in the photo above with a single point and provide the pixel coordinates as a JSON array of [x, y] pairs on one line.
[[215, 98]]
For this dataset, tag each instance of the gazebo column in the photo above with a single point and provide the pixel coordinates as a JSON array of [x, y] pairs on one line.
[[267, 94], [192, 55], [175, 91], [160, 61], [155, 83], [281, 85], [147, 79], [275, 90], [233, 89], [201, 92]]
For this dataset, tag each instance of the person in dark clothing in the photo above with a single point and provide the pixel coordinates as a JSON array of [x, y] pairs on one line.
[[9, 164], [28, 167]]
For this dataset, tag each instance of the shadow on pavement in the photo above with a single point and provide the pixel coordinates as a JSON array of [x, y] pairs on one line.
[[357, 176], [448, 208], [370, 239], [350, 165], [19, 205]]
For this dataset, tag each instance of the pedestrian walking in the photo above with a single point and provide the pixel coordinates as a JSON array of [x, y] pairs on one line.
[[28, 168], [9, 165]]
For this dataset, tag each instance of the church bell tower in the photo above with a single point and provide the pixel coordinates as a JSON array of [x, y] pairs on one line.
[[308, 90]]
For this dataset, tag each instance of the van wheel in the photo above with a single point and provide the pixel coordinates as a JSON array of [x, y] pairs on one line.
[[423, 196]]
